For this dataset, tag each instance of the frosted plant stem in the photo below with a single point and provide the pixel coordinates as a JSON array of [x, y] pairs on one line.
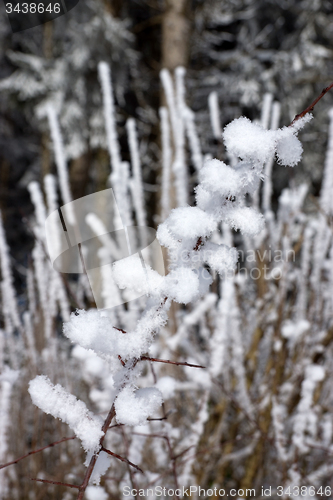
[[166, 162], [267, 186], [60, 159], [109, 116], [138, 198], [214, 112], [264, 120], [266, 109], [177, 125], [193, 139], [120, 170], [30, 337], [326, 199], [10, 308]]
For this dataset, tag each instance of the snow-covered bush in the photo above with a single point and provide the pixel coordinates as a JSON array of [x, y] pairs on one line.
[[253, 352]]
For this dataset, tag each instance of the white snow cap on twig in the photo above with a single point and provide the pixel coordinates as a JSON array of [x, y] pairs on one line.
[[54, 399], [134, 407]]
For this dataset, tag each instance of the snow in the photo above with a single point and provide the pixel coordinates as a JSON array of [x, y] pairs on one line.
[[289, 151], [216, 176], [134, 407], [246, 219], [165, 237], [109, 115], [176, 108], [37, 200], [251, 141], [136, 182], [8, 377], [9, 302], [55, 400], [102, 464], [220, 258], [182, 285], [326, 198], [305, 413], [294, 330], [189, 222], [91, 330], [166, 161], [214, 113], [245, 139], [96, 493], [131, 273], [167, 386], [94, 366], [315, 373], [60, 160]]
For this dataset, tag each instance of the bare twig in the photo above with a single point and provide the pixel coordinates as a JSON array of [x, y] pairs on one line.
[[56, 482], [154, 419], [173, 460], [122, 459], [35, 451], [121, 360], [119, 329], [93, 460], [312, 105], [198, 244], [178, 363], [130, 471]]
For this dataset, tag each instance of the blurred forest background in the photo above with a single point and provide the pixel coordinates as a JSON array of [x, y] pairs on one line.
[[242, 50]]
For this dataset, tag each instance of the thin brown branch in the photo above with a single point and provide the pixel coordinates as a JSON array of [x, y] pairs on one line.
[[178, 363], [312, 105], [56, 482], [116, 425], [119, 329], [173, 460], [149, 435], [198, 244], [154, 419], [130, 470], [121, 360], [122, 459], [183, 452], [93, 460], [35, 451]]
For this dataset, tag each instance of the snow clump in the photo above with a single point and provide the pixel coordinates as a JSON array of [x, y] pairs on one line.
[[91, 330], [54, 399], [134, 407]]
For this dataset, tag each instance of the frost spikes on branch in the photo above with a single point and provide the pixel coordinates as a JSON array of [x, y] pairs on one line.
[[326, 198], [60, 159], [136, 181], [176, 109], [166, 162], [214, 112], [7, 288], [120, 170]]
